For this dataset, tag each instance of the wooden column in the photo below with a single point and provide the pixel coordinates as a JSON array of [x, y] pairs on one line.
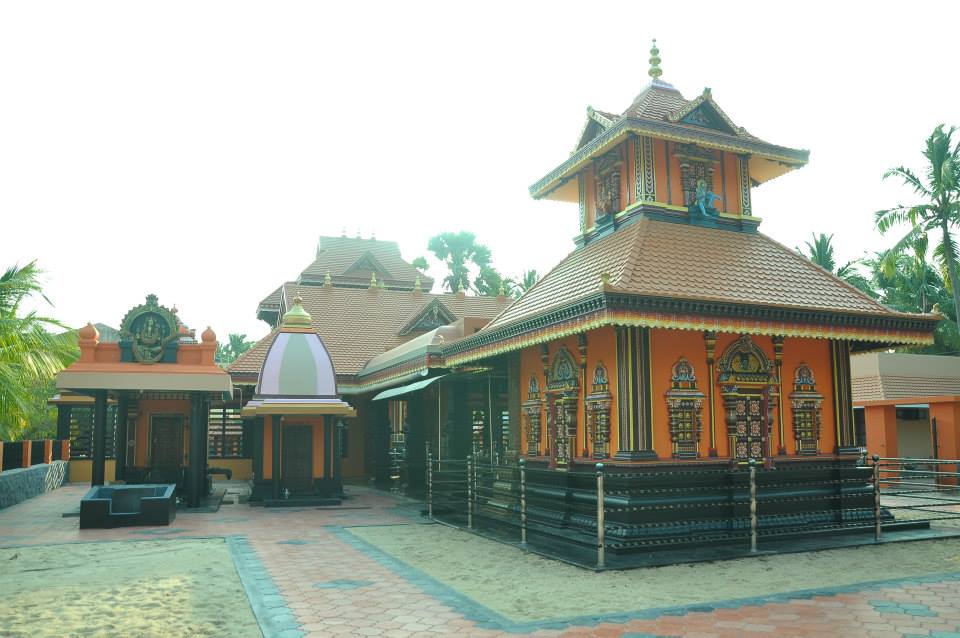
[[120, 445], [515, 388], [47, 451], [197, 467], [461, 439], [377, 418], [634, 395], [842, 397], [276, 422], [415, 445], [582, 425], [337, 424], [256, 447], [63, 421], [99, 443], [26, 453]]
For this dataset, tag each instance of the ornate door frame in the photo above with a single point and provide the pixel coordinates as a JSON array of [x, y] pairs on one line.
[[562, 394], [749, 387]]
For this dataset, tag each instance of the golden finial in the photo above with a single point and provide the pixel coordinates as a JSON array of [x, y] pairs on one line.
[[297, 316], [327, 280], [373, 280], [417, 286], [655, 70]]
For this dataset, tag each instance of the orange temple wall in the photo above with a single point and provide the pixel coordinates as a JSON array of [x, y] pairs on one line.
[[666, 347]]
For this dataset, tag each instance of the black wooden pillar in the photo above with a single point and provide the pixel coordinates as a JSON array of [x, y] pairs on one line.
[[255, 444], [462, 435], [635, 395], [197, 470], [378, 422], [99, 437], [337, 454], [275, 465], [416, 441], [63, 422], [120, 445]]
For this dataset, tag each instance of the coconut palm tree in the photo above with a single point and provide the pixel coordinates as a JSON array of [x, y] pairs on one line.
[[820, 252], [530, 277], [236, 345], [458, 251], [938, 212], [31, 349]]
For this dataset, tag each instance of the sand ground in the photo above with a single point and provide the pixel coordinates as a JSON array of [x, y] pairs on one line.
[[524, 587], [129, 588]]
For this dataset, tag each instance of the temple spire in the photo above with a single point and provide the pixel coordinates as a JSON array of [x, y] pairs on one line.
[[655, 70]]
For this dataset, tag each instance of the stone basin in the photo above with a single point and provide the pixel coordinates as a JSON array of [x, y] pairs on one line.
[[107, 506]]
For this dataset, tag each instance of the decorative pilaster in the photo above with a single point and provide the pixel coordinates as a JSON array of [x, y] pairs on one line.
[[781, 424], [842, 397], [684, 405], [746, 208], [710, 342], [598, 404], [634, 392], [532, 409], [582, 198], [644, 173], [582, 348]]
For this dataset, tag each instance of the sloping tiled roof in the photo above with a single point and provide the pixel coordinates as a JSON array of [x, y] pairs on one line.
[[357, 324], [689, 262], [337, 254], [885, 388], [271, 301]]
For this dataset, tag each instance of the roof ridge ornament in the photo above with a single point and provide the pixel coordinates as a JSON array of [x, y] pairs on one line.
[[655, 71]]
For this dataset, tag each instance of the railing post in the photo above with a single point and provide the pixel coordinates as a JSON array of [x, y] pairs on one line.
[[753, 505], [876, 498], [523, 503], [470, 491], [601, 522], [430, 485]]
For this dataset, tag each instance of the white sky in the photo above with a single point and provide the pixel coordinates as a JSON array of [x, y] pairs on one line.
[[197, 150]]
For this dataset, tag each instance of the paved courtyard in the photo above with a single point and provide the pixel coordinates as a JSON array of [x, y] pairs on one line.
[[376, 568]]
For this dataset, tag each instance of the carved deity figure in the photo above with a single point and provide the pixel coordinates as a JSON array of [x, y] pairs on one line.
[[148, 341], [703, 199]]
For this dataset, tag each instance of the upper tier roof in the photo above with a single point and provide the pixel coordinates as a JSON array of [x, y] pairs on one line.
[[350, 261], [661, 111]]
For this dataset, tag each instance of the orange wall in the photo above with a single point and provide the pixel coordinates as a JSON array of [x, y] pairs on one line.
[[730, 172], [590, 197], [659, 166], [666, 347], [601, 348]]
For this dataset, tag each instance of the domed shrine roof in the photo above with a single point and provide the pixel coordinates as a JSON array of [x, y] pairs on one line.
[[297, 375]]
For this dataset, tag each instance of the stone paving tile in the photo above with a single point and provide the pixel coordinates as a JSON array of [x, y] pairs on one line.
[[310, 580]]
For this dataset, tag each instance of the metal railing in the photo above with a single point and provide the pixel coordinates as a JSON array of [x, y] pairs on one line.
[[916, 490], [597, 518]]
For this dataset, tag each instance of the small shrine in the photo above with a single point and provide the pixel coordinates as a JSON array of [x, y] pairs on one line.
[[298, 418], [160, 382]]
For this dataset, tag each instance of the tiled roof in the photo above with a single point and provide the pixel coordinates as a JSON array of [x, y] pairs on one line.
[[357, 324], [337, 254], [655, 258], [656, 102], [271, 301], [884, 388]]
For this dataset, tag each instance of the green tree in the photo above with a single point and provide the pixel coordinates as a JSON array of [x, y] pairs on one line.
[[458, 251], [31, 353], [820, 252], [235, 346], [939, 209], [530, 277], [420, 263]]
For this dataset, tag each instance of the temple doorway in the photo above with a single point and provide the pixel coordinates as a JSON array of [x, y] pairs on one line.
[[297, 459], [748, 384], [166, 434]]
